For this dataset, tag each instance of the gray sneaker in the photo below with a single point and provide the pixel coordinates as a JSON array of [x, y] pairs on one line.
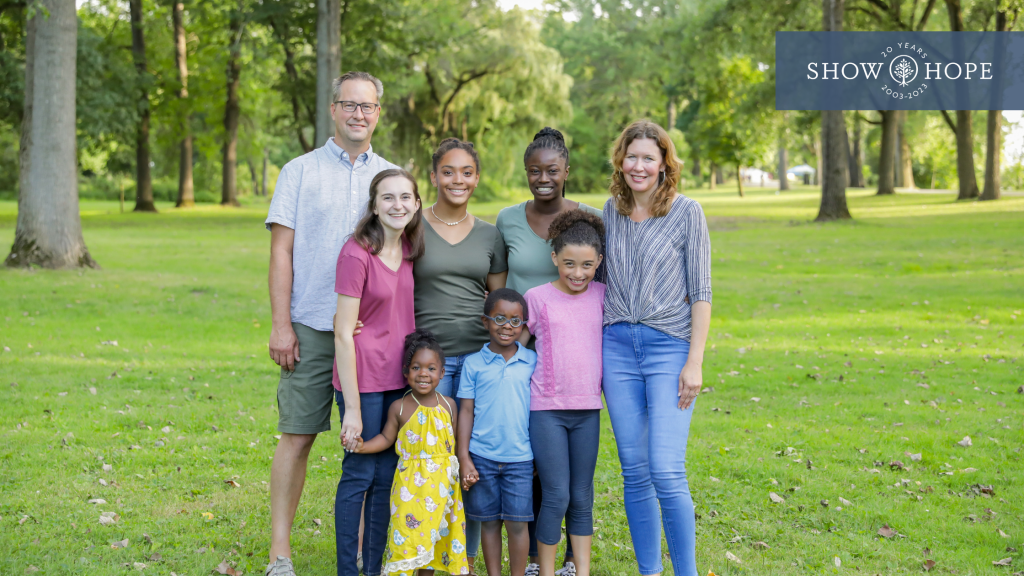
[[281, 567], [568, 570], [532, 569]]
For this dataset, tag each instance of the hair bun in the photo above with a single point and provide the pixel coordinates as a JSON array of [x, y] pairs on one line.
[[447, 140], [549, 131]]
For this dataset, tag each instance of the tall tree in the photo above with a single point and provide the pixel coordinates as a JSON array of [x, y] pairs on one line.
[[905, 166], [783, 161], [328, 65], [962, 127], [143, 177], [833, 138], [186, 194], [49, 228], [856, 154], [887, 153], [1005, 20], [232, 111]]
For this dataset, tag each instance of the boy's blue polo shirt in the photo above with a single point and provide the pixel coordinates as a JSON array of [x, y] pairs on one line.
[[501, 410]]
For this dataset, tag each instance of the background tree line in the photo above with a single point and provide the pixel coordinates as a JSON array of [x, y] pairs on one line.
[[204, 100]]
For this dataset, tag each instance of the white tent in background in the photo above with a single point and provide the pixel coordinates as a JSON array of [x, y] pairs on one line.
[[801, 172]]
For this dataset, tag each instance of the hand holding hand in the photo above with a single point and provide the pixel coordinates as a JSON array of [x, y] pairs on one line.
[[469, 474], [690, 381], [351, 429]]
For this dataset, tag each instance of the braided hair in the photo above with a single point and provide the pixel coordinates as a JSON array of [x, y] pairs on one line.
[[548, 139], [417, 340], [449, 144], [577, 228]]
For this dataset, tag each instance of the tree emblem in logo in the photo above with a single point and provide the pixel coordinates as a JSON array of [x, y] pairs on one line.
[[903, 69]]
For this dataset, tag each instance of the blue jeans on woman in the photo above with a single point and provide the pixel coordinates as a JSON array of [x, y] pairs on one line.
[[449, 386], [366, 476], [641, 386]]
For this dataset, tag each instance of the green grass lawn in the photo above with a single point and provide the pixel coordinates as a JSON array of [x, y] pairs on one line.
[[838, 353]]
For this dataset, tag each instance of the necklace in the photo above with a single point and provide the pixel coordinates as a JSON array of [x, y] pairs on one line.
[[447, 223]]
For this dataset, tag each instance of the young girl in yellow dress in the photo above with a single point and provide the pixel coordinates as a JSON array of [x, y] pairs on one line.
[[428, 524]]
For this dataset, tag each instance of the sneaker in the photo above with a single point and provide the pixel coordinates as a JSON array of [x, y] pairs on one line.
[[568, 570], [359, 562], [532, 569], [281, 567]]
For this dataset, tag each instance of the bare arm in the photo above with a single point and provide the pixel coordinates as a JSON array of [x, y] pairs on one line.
[[284, 345], [345, 356], [524, 337], [495, 281], [455, 417], [465, 432], [691, 378], [387, 436]]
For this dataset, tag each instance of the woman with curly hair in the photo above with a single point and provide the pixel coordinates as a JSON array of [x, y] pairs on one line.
[[657, 311], [565, 390]]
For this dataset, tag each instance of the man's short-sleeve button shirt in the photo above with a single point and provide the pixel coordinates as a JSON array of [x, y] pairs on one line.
[[500, 392], [321, 195]]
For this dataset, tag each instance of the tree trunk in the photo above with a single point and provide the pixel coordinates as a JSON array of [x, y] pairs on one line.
[[328, 65], [670, 113], [816, 178], [186, 192], [906, 164], [993, 150], [49, 230], [695, 171], [783, 157], [263, 180], [833, 157], [965, 156], [253, 177], [232, 111], [856, 156], [887, 153], [719, 177], [739, 179], [712, 172], [143, 178], [293, 77]]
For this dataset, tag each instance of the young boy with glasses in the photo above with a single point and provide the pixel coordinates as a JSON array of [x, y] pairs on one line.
[[493, 444]]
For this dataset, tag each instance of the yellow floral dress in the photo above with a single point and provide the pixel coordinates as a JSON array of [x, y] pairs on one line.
[[428, 524]]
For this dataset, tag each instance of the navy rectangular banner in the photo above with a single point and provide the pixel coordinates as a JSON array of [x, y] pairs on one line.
[[899, 70]]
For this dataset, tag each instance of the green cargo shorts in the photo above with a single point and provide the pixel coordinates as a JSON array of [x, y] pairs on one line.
[[305, 395]]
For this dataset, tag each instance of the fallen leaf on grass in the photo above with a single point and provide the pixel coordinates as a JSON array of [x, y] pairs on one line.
[[845, 502], [97, 501], [1003, 562], [319, 522], [226, 569], [233, 484], [1004, 534], [761, 545], [120, 544], [155, 557], [31, 569], [109, 518], [928, 565], [914, 457], [965, 443], [138, 565], [886, 532], [896, 465], [732, 558], [837, 561], [776, 498]]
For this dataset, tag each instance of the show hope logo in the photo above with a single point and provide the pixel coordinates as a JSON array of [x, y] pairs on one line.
[[903, 69]]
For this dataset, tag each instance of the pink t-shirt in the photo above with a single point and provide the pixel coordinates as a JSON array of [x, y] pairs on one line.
[[568, 331], [386, 310]]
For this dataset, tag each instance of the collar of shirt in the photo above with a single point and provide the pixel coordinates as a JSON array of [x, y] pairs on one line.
[[490, 356], [339, 153]]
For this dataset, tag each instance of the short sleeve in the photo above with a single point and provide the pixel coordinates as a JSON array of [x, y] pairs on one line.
[[499, 257], [533, 307], [467, 382], [285, 202], [351, 273]]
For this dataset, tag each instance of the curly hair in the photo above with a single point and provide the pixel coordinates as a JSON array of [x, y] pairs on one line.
[[417, 340], [663, 195], [577, 228], [508, 295], [548, 139], [449, 144]]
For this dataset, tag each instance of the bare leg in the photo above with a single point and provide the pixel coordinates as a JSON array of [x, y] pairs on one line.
[[287, 477], [424, 572], [518, 547], [546, 554], [362, 522], [580, 554], [472, 565], [490, 541]]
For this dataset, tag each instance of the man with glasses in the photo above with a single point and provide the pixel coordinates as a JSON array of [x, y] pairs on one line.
[[318, 199]]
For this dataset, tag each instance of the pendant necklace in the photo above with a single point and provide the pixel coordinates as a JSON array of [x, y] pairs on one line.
[[448, 223]]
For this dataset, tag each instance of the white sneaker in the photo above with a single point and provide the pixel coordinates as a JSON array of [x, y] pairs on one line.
[[568, 570], [532, 569], [359, 562], [281, 567]]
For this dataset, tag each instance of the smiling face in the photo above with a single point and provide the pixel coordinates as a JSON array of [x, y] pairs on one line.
[[396, 203], [577, 264], [355, 128], [546, 172], [504, 335], [642, 165], [456, 177], [425, 371]]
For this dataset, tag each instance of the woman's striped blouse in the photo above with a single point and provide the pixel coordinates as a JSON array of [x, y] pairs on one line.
[[657, 268]]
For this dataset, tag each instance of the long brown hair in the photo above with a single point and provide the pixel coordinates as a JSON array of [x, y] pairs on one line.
[[661, 201], [370, 232]]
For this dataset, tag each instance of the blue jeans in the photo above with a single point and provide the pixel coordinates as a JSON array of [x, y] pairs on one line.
[[641, 387], [449, 386], [369, 476], [504, 491]]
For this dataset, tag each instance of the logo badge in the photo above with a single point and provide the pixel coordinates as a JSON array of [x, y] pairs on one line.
[[903, 69]]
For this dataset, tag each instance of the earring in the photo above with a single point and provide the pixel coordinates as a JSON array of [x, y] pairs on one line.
[[661, 177]]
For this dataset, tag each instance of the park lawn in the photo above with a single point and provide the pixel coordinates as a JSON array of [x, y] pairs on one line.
[[836, 352]]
